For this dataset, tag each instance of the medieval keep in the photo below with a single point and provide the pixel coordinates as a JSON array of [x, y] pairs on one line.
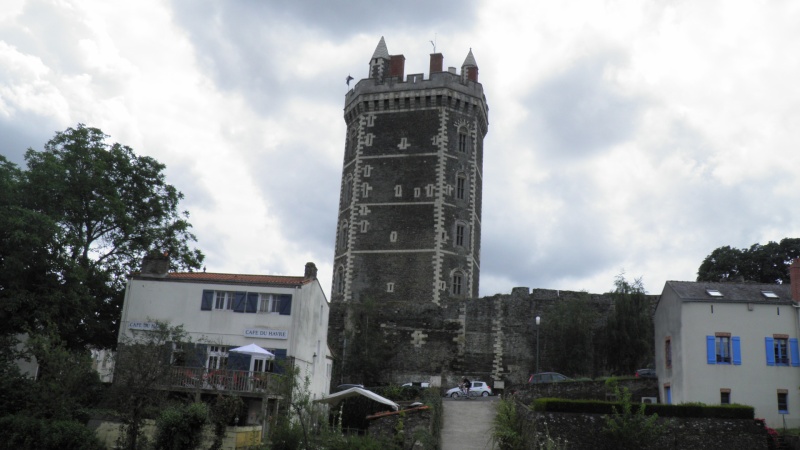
[[408, 236]]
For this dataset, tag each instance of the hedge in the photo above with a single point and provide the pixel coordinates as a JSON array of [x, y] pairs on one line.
[[695, 410]]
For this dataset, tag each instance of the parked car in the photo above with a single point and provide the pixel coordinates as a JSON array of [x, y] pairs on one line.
[[646, 373], [479, 388], [416, 384], [547, 377]]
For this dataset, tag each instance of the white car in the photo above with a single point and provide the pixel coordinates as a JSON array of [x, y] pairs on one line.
[[478, 388], [417, 384]]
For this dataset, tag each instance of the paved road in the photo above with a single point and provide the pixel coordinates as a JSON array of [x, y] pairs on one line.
[[468, 423]]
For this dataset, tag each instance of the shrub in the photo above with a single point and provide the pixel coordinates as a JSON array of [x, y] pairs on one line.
[[181, 427], [629, 429], [27, 433]]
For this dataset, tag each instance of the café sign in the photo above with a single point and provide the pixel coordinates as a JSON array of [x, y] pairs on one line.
[[260, 333], [147, 326]]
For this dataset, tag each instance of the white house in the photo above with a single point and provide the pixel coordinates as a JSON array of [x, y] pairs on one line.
[[720, 343], [286, 315]]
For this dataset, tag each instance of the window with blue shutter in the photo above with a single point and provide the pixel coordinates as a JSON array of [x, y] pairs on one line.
[[737, 350], [239, 301], [711, 352], [252, 302], [286, 304], [795, 352], [769, 344], [208, 299], [280, 359]]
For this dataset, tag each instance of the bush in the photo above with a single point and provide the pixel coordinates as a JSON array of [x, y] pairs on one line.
[[687, 410], [181, 427], [27, 433]]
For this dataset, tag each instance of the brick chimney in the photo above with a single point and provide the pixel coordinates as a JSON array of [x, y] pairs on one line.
[[437, 62], [155, 265], [794, 278], [397, 66], [311, 271]]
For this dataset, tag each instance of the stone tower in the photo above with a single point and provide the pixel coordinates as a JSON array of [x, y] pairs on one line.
[[410, 205]]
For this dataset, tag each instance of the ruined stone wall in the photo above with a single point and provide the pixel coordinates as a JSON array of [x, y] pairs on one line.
[[491, 338]]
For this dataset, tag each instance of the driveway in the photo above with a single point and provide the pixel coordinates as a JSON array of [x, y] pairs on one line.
[[468, 423]]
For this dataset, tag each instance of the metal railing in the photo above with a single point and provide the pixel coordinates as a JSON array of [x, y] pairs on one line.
[[223, 380]]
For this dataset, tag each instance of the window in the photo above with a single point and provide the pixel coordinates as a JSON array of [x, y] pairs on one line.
[[769, 294], [722, 348], [367, 171], [781, 347], [364, 226], [393, 236], [461, 182], [417, 192], [458, 279], [262, 365], [460, 235], [269, 303], [783, 401], [462, 140], [724, 396], [348, 192], [339, 281], [224, 300], [342, 244], [668, 352], [714, 292], [782, 351], [390, 287], [365, 188], [398, 191], [217, 357]]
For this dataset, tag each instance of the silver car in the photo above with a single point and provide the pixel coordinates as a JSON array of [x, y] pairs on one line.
[[479, 388]]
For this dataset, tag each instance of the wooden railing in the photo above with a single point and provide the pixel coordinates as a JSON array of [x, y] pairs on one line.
[[223, 380]]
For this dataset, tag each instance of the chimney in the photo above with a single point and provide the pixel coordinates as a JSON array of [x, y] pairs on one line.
[[794, 279], [397, 66], [155, 265], [437, 62], [311, 271]]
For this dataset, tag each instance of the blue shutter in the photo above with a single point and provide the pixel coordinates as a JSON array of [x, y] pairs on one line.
[[737, 350], [208, 299], [711, 352], [280, 359], [238, 361], [795, 352], [286, 305], [238, 302], [252, 302], [769, 343]]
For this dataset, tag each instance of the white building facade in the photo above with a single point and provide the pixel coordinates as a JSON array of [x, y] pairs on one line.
[[286, 315], [725, 343]]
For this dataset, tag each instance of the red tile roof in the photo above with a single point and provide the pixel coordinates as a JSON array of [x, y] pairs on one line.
[[235, 278]]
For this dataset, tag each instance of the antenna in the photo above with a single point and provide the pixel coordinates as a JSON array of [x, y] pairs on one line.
[[433, 42]]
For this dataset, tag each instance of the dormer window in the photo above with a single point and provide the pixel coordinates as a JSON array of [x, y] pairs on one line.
[[714, 292], [769, 294]]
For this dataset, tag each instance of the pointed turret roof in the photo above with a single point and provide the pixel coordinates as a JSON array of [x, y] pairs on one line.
[[470, 61], [381, 51]]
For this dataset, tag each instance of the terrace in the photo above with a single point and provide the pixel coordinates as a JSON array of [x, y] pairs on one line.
[[241, 382]]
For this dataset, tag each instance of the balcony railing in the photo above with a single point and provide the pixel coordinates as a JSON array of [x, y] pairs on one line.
[[242, 381]]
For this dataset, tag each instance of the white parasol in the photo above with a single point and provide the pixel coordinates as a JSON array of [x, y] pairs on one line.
[[253, 350]]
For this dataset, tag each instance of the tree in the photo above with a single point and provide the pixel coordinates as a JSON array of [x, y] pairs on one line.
[[143, 365], [629, 327], [180, 427], [767, 263], [571, 322], [105, 208]]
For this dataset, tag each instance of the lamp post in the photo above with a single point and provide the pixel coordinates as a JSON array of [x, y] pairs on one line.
[[538, 321]]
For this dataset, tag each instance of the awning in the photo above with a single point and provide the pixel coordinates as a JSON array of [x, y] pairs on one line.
[[333, 399], [253, 350]]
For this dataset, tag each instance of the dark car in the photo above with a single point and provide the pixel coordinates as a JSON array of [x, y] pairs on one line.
[[646, 373], [547, 377]]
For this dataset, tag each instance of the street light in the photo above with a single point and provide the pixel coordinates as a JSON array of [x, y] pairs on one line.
[[538, 321]]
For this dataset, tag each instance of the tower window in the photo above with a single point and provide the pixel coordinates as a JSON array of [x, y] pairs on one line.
[[338, 284], [364, 226], [348, 192], [457, 283], [398, 191], [389, 287], [462, 140], [460, 235], [417, 192], [393, 236], [342, 244], [367, 171], [365, 188], [461, 182]]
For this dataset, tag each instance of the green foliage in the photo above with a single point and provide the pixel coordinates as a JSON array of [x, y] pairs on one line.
[[367, 341], [768, 263], [75, 223], [629, 429], [629, 328], [180, 427], [142, 366], [222, 412], [506, 426], [685, 410], [571, 323], [21, 432]]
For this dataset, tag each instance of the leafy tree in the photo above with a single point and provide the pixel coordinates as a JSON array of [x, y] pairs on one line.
[[571, 322], [97, 209], [629, 429], [142, 366], [367, 342], [767, 263], [629, 327], [180, 427], [221, 413]]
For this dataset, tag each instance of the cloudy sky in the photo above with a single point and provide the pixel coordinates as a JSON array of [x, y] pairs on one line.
[[631, 136]]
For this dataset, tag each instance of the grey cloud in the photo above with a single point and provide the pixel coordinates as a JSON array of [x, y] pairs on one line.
[[577, 112], [23, 131]]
